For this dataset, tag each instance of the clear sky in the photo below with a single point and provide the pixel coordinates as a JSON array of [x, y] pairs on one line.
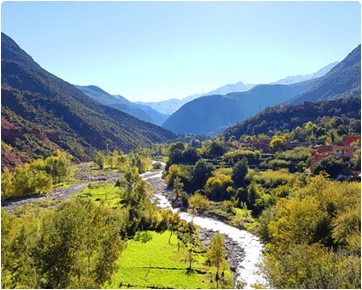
[[151, 51]]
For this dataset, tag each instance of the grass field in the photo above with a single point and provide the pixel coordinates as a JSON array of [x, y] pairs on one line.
[[103, 192], [158, 264]]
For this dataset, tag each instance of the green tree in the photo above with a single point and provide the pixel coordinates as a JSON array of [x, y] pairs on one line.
[[276, 144], [332, 165], [78, 248], [240, 170], [100, 160], [198, 201], [202, 171], [218, 148], [357, 159], [216, 253]]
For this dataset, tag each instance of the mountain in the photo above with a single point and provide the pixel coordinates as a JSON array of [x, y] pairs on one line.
[[280, 119], [156, 117], [300, 78], [229, 88], [104, 98], [213, 114], [172, 105], [166, 107], [70, 119], [344, 80]]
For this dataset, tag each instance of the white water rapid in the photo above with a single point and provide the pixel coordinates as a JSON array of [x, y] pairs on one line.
[[247, 270]]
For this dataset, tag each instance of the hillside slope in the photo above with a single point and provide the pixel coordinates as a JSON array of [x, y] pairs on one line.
[[37, 96], [344, 80], [275, 118], [156, 117], [101, 96]]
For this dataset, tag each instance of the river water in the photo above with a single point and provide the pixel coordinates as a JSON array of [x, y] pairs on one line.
[[247, 271]]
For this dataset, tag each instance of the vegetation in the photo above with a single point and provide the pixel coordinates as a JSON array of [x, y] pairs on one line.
[[114, 236], [274, 119], [306, 237], [74, 246], [37, 177]]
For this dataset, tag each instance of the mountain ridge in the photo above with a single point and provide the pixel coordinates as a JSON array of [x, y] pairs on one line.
[[42, 98], [172, 105], [211, 114], [107, 99], [343, 80]]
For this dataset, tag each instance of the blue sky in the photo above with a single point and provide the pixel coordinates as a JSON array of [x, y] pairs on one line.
[[151, 51]]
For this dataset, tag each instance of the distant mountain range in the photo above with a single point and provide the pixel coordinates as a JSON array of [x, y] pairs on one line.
[[344, 80], [156, 117], [170, 106], [104, 98], [213, 114], [300, 78], [64, 114], [118, 102]]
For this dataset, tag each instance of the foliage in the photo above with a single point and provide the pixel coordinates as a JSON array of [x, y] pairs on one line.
[[276, 144], [217, 185], [295, 115], [303, 230], [332, 165], [240, 170], [216, 252], [233, 157], [313, 267], [36, 177], [157, 165], [74, 246], [356, 160], [198, 201]]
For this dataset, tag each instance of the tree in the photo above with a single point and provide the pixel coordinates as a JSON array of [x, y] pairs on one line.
[[218, 148], [100, 159], [216, 252], [80, 241], [240, 170], [202, 171], [198, 201], [276, 144], [332, 165], [172, 221], [357, 159], [178, 186]]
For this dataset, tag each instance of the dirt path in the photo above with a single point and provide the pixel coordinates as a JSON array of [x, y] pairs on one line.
[[85, 174]]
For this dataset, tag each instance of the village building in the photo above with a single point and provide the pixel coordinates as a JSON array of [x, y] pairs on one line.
[[345, 151]]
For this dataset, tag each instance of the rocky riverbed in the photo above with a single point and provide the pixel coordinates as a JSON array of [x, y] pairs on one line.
[[244, 249], [84, 175]]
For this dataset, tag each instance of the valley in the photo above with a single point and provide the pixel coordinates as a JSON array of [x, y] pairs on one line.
[[246, 186]]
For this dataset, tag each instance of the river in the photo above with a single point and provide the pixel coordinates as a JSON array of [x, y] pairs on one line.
[[247, 270]]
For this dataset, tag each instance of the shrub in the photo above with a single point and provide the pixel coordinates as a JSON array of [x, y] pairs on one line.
[[157, 165]]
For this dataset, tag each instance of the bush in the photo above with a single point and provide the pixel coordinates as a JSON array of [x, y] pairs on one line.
[[157, 165], [332, 165]]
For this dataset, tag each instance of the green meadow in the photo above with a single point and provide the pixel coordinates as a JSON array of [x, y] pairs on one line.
[[105, 193], [159, 264]]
